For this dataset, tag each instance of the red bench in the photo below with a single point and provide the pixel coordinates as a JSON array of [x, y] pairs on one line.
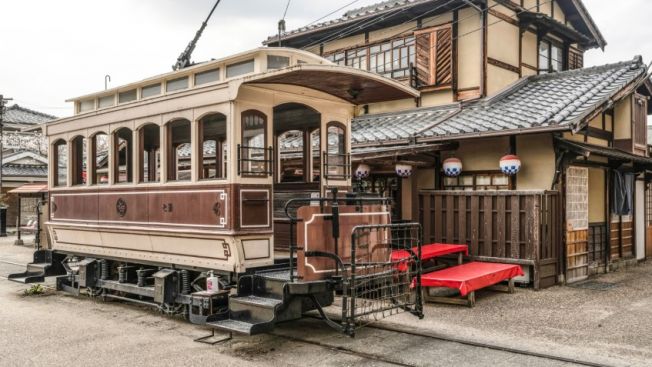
[[429, 252], [468, 278]]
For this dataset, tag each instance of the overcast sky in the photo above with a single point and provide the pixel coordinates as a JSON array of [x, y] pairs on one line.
[[54, 50]]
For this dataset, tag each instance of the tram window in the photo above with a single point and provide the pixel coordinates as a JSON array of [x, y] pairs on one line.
[[240, 68], [100, 170], [215, 147], [107, 101], [150, 154], [150, 91], [277, 62], [87, 105], [315, 143], [253, 152], [336, 150], [123, 156], [78, 160], [179, 150], [208, 76], [177, 84], [291, 156], [60, 163], [128, 96]]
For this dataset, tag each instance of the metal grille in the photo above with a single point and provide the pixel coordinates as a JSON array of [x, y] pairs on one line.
[[376, 284], [255, 161]]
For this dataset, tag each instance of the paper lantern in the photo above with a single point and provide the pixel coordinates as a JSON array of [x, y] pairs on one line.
[[452, 167], [403, 170], [510, 164], [362, 171]]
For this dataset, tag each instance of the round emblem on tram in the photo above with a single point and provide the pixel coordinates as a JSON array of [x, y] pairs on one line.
[[121, 207]]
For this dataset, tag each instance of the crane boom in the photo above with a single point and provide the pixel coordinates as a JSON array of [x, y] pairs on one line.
[[184, 59]]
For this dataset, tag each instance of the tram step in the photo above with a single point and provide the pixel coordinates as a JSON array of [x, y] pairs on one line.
[[254, 308], [242, 327], [35, 273]]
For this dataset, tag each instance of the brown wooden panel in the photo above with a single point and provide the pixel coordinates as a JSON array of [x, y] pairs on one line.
[[577, 255], [255, 208], [648, 242]]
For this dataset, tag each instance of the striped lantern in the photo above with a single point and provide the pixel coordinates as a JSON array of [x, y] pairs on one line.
[[403, 170], [362, 171], [510, 164], [452, 167]]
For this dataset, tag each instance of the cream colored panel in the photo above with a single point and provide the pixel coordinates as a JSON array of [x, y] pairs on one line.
[[530, 49], [344, 43], [425, 178], [211, 248], [530, 5], [499, 79], [469, 44], [502, 41], [391, 106], [538, 162], [256, 249], [596, 141], [546, 7], [596, 195], [574, 137], [481, 154], [385, 33], [559, 14], [406, 198], [437, 20], [527, 72], [608, 123], [596, 122], [623, 119], [436, 98]]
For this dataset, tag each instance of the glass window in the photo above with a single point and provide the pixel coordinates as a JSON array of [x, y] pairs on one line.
[[240, 68], [78, 160], [87, 105], [291, 156], [128, 96], [215, 147], [177, 84], [336, 151], [100, 171], [208, 76], [179, 150], [150, 158], [476, 181], [315, 143], [123, 155], [107, 101], [61, 163], [556, 58], [253, 143], [151, 91], [551, 57], [277, 62]]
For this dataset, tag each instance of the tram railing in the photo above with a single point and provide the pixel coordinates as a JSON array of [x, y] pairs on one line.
[[384, 275], [337, 166], [255, 161]]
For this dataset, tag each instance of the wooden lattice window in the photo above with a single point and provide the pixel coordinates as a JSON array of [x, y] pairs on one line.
[[478, 181], [434, 56], [639, 122], [575, 59]]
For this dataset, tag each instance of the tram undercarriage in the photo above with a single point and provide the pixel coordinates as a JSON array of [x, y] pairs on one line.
[[352, 260]]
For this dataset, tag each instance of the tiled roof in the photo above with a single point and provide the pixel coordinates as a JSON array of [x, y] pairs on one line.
[[21, 115], [22, 170], [353, 16], [395, 127], [559, 100]]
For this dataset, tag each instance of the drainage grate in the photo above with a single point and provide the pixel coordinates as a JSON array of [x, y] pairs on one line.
[[594, 285]]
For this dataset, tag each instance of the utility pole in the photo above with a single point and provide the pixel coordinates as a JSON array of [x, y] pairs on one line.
[[3, 208]]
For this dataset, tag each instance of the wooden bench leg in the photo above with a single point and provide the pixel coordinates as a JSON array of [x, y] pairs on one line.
[[471, 299], [510, 286], [460, 258]]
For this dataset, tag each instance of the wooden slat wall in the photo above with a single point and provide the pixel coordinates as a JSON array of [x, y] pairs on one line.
[[522, 227], [577, 252]]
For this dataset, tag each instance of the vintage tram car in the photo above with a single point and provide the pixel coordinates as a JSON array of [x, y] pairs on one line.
[[229, 168]]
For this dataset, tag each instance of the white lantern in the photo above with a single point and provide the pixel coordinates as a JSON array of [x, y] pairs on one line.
[[362, 171], [403, 170], [452, 167], [510, 164]]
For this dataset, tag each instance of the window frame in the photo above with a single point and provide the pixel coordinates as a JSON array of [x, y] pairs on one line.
[[475, 186], [77, 151], [219, 150], [556, 44], [129, 165], [266, 170], [55, 162], [92, 163], [171, 151], [346, 164]]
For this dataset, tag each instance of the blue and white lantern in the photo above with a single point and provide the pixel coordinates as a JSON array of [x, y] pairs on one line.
[[510, 164], [362, 171], [403, 170], [452, 167]]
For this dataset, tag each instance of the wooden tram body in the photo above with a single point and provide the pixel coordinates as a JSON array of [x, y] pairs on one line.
[[194, 178]]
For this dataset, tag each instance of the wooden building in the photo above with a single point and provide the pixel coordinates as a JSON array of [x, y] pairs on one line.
[[500, 78]]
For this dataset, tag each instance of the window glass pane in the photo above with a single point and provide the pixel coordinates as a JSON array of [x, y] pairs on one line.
[[62, 164], [450, 181], [482, 180], [336, 151], [253, 144], [101, 173], [556, 58], [544, 56], [214, 143], [291, 156], [107, 101], [177, 84], [466, 180], [179, 150], [124, 160], [240, 68], [151, 144], [315, 139], [501, 180], [87, 105], [78, 161], [151, 90], [277, 62], [127, 96], [208, 76]]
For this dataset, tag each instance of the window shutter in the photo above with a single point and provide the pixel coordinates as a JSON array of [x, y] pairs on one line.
[[444, 56], [434, 61], [575, 59], [424, 59], [640, 125]]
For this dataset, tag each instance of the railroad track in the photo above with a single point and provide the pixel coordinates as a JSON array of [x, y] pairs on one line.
[[432, 336]]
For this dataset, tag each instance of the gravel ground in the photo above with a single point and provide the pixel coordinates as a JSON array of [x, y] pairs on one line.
[[612, 327]]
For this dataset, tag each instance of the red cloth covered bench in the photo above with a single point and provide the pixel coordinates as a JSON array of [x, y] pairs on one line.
[[429, 252], [468, 278]]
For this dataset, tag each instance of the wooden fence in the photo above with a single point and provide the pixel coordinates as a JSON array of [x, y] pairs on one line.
[[503, 226]]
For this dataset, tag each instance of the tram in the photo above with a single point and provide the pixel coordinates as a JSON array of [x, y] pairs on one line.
[[236, 170]]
